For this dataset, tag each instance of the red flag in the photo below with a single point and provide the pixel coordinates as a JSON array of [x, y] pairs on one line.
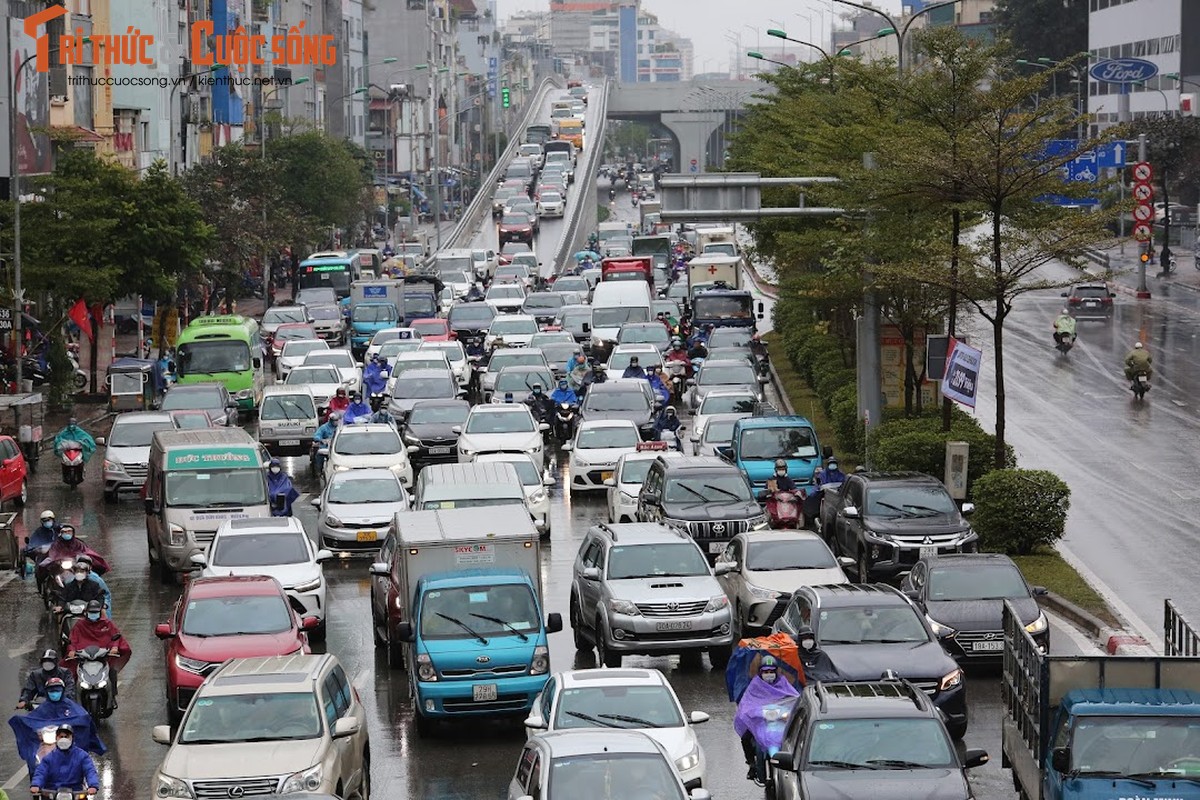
[[79, 315]]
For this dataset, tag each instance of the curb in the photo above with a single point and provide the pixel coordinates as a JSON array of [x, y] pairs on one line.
[[769, 289], [1113, 641]]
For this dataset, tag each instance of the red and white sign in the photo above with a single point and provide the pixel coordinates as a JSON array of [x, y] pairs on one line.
[[1143, 212], [1141, 232], [1143, 192], [1142, 172]]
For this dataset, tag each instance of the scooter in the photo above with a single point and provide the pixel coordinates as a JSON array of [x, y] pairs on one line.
[[564, 422], [52, 581], [1140, 385], [93, 689], [1064, 344], [46, 738], [68, 618], [279, 506], [678, 371], [72, 463], [783, 511]]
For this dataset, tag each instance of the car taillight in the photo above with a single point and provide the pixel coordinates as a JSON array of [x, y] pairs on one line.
[[1107, 301], [1072, 301]]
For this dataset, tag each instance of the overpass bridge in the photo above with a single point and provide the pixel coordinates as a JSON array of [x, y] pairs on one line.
[[698, 114]]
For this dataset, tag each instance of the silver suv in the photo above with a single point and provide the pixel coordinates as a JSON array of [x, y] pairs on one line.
[[647, 588]]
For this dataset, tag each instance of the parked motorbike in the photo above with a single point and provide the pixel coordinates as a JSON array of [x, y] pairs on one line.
[[1140, 385], [72, 463], [564, 422], [1064, 344], [31, 368], [783, 511], [68, 618], [93, 689]]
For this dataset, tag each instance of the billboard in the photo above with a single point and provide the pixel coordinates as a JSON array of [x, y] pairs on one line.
[[32, 101]]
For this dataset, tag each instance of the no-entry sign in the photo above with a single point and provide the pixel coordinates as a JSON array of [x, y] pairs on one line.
[[1141, 232], [1143, 213]]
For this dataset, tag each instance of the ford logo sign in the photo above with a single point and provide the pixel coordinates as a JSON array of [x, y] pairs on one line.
[[1124, 70]]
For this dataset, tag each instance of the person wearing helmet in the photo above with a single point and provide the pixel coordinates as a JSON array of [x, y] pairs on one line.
[[662, 392], [1138, 361], [322, 438], [40, 539], [634, 370], [356, 409], [781, 481], [340, 400], [576, 365], [67, 765], [81, 588], [95, 577], [831, 473], [540, 404], [666, 427], [68, 547], [36, 682], [97, 630], [564, 393], [762, 716], [817, 666], [280, 490], [74, 433], [375, 377], [1064, 327]]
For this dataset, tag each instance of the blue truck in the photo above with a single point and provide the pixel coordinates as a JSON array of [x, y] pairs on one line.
[[759, 441], [1102, 727], [467, 604], [374, 305]]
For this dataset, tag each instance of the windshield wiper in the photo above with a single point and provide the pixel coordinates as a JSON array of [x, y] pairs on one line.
[[1139, 777], [897, 762], [690, 490], [725, 492], [840, 765], [498, 621], [1110, 773], [590, 718], [462, 625], [645, 723], [897, 509]]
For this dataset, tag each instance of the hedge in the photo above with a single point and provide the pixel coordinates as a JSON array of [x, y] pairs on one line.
[[919, 444], [1019, 510]]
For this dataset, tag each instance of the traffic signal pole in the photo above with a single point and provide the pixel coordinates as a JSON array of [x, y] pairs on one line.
[[1143, 291]]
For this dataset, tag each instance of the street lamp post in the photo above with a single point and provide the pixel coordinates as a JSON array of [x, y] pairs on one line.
[[262, 143], [14, 155], [779, 33], [760, 57], [893, 29]]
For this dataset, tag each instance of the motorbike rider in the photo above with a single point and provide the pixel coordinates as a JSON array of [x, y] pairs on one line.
[[667, 425], [576, 361], [474, 294], [634, 370], [323, 437], [662, 318], [82, 588], [698, 350], [40, 539], [1138, 361], [817, 666], [701, 335], [356, 409], [97, 630], [595, 373], [280, 483], [540, 404], [66, 765], [564, 394], [781, 481], [831, 473], [661, 390], [375, 376], [74, 433], [69, 547], [38, 678], [1064, 327], [766, 689], [340, 401]]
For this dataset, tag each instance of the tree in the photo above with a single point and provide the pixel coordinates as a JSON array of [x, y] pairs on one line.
[[169, 239], [324, 177], [1173, 147], [1054, 29]]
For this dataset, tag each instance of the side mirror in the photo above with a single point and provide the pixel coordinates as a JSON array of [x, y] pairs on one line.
[[1112, 294], [535, 722], [310, 623], [149, 505], [315, 502], [379, 568], [610, 482], [163, 631], [324, 555], [690, 382], [784, 760], [696, 717], [1060, 759], [568, 447], [199, 560], [850, 512], [456, 428], [912, 594], [761, 308], [1039, 591], [346, 726], [404, 632], [723, 568], [100, 440], [554, 622], [763, 379], [591, 573], [968, 509], [846, 562], [161, 734], [976, 757], [543, 427]]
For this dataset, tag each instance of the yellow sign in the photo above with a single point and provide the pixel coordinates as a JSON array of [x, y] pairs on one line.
[[168, 319], [892, 368]]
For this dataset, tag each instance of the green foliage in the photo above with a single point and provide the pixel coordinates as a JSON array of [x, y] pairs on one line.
[[1054, 29], [624, 138], [62, 374], [1019, 510], [919, 444], [323, 176]]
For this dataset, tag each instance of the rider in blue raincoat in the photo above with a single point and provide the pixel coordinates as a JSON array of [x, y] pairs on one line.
[[356, 409], [280, 483], [56, 710]]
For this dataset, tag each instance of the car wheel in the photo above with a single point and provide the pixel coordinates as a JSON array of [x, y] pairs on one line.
[[719, 655], [21, 499], [582, 644], [864, 568], [364, 788], [604, 656], [376, 636], [166, 575], [110, 496], [151, 556]]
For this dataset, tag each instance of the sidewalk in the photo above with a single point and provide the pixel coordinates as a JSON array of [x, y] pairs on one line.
[[1126, 267]]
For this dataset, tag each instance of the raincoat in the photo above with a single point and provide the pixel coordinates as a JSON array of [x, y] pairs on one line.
[[74, 433], [281, 484], [25, 728], [763, 712], [59, 769]]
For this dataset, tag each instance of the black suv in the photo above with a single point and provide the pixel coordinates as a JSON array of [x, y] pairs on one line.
[[868, 629], [880, 739], [619, 400], [1090, 301], [886, 521], [708, 498]]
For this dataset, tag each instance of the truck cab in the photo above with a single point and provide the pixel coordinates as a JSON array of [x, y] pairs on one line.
[[374, 305], [759, 441]]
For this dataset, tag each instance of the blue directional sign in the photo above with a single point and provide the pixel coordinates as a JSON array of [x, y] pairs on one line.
[[1087, 165], [1111, 155]]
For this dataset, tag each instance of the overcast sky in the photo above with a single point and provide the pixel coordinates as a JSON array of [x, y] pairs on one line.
[[706, 23]]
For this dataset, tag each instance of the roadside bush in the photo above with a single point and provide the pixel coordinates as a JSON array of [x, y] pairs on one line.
[[1019, 510], [919, 444], [843, 413]]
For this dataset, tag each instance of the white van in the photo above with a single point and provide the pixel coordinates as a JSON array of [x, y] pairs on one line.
[[472, 485], [615, 303], [287, 419]]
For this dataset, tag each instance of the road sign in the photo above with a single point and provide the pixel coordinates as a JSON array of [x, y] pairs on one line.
[[6, 319], [1083, 169], [1142, 172], [1141, 232], [1111, 155], [1142, 192], [1143, 212]]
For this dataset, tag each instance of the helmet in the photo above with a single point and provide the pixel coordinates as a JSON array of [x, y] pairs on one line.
[[66, 528], [274, 462], [670, 410], [356, 396], [806, 640], [47, 514], [50, 655], [768, 666], [633, 361], [537, 388], [95, 605], [1065, 311], [55, 683], [341, 392], [1137, 346], [65, 728], [383, 361], [676, 342], [72, 422], [84, 561], [562, 383], [780, 463]]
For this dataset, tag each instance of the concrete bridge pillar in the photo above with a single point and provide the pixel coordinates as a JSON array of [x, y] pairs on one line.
[[692, 129]]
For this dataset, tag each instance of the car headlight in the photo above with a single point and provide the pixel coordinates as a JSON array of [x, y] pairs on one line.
[[538, 496], [689, 761], [759, 593], [576, 461], [425, 670], [466, 451], [333, 521], [308, 780], [541, 661], [113, 466], [951, 680], [171, 787], [244, 394], [193, 665], [266, 430], [398, 468], [716, 603], [308, 586], [1038, 625], [757, 520], [870, 534], [534, 450], [938, 628], [627, 608], [177, 536]]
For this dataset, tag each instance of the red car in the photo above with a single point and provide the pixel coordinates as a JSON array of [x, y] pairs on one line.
[[289, 331], [433, 329], [217, 619], [509, 250], [516, 227], [14, 472]]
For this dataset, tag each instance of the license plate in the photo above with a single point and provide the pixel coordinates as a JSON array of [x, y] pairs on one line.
[[678, 625], [439, 451], [928, 552], [289, 442], [987, 647], [605, 476], [1091, 304], [716, 547], [367, 536], [483, 692]]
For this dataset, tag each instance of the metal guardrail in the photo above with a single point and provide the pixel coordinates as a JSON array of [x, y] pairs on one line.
[[1179, 637], [1097, 257], [577, 230]]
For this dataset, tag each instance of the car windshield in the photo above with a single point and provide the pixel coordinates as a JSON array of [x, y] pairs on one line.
[[1155, 747], [616, 316], [505, 291], [886, 624], [136, 434], [595, 438], [302, 347], [281, 314], [479, 612], [730, 337], [557, 353], [518, 381], [291, 334], [191, 420], [572, 284], [510, 272], [472, 502], [727, 404], [460, 263], [430, 327], [781, 442], [186, 399], [313, 375], [719, 431], [767, 555], [452, 275], [611, 776], [259, 549], [287, 407], [409, 387], [432, 362], [631, 399], [551, 197], [508, 327], [333, 358], [393, 349], [515, 219], [682, 560], [544, 302], [516, 359], [552, 338], [635, 471], [739, 374], [714, 488], [453, 351], [617, 707], [896, 743], [350, 489], [526, 471], [211, 357], [216, 488], [435, 414], [367, 443], [236, 615], [909, 502], [1091, 292], [381, 312], [470, 312], [270, 717], [976, 582], [325, 312], [720, 249], [619, 360], [644, 334], [574, 320], [518, 421]]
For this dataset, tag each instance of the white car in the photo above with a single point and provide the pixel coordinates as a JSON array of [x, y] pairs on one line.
[[322, 381], [537, 499], [551, 204], [647, 355], [388, 335], [517, 330], [501, 429], [768, 565], [418, 359], [341, 360], [293, 354], [722, 401], [359, 446], [275, 546], [484, 261], [456, 280], [627, 479], [127, 451], [727, 374], [717, 432], [357, 507], [623, 698], [456, 355], [506, 298], [595, 449], [390, 350]]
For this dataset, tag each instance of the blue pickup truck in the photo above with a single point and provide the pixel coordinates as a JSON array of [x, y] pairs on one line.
[[759, 441]]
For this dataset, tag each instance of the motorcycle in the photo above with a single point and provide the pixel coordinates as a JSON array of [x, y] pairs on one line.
[[72, 463], [93, 690], [53, 575], [633, 200], [674, 439], [46, 738], [65, 793], [31, 368], [68, 618], [783, 511], [1140, 385], [1064, 344], [377, 400], [678, 371], [317, 452], [564, 422]]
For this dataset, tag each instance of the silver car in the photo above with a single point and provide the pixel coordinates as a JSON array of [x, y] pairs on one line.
[[715, 375], [356, 510]]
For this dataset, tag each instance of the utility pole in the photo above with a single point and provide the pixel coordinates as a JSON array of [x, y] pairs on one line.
[[870, 392], [1143, 291]]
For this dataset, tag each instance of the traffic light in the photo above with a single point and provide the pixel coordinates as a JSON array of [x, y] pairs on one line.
[[1145, 257], [505, 98]]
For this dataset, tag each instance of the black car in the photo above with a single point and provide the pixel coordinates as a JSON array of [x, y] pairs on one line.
[[705, 496], [867, 629], [470, 320], [963, 597], [875, 741], [430, 429], [619, 400], [543, 306], [1090, 301]]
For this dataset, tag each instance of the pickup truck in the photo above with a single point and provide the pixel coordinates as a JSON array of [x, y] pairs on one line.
[[758, 441], [1082, 727], [461, 596]]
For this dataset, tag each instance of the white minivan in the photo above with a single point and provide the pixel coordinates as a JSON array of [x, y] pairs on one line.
[[615, 303]]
